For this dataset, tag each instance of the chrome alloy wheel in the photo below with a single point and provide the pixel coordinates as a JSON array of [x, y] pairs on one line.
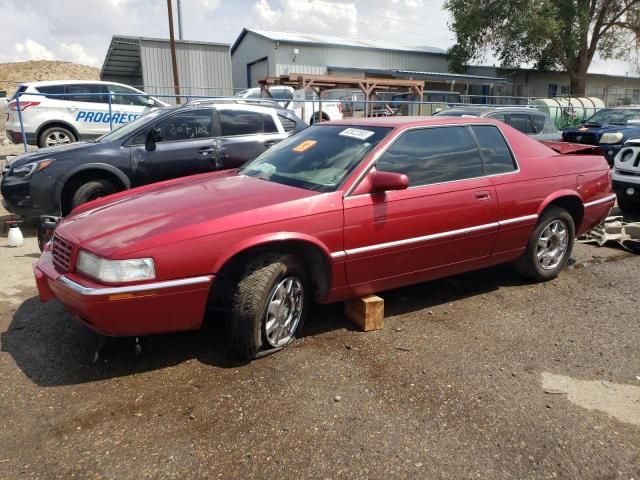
[[57, 138], [284, 311], [552, 245]]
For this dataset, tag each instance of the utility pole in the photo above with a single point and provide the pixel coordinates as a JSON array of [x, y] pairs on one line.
[[180, 37], [174, 61]]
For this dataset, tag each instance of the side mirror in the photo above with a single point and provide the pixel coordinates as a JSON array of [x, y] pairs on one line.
[[154, 135], [386, 181], [151, 102]]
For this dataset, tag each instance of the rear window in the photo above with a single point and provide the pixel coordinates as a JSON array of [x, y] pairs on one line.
[[20, 89], [53, 91], [239, 122]]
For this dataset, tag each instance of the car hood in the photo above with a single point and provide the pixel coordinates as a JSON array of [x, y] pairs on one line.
[[169, 212], [59, 152]]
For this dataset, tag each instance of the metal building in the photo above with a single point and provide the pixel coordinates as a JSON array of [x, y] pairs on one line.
[[260, 53], [203, 68]]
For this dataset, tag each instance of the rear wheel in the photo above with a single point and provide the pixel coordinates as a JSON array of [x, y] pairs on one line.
[[53, 136], [269, 305], [92, 190], [549, 247]]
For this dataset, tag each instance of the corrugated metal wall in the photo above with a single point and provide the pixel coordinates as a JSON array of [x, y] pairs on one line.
[[251, 49], [315, 59], [202, 69]]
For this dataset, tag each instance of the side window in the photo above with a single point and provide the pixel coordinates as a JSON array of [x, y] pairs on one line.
[[287, 123], [187, 125], [281, 93], [54, 92], [86, 93], [239, 122], [538, 122], [433, 155], [495, 152], [520, 121], [498, 116], [126, 96], [269, 126]]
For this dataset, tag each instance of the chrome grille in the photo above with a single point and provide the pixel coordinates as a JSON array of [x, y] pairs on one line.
[[61, 251], [586, 138]]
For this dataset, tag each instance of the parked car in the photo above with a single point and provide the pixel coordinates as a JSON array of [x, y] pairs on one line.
[[65, 111], [533, 122], [308, 110], [165, 143], [608, 128], [338, 210], [626, 176]]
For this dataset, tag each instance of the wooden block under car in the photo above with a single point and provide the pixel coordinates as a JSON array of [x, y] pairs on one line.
[[366, 312]]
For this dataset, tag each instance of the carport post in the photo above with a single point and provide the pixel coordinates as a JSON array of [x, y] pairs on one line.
[[24, 136]]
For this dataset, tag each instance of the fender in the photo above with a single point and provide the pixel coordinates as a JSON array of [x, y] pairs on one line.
[[91, 166], [270, 238], [555, 195], [64, 123]]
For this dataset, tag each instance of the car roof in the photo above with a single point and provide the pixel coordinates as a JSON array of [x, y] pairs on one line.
[[407, 122], [44, 83]]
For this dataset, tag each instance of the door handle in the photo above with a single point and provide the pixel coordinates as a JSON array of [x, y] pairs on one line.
[[270, 143], [206, 151], [482, 196]]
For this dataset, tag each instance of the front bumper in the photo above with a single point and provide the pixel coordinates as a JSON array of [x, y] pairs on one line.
[[621, 188], [142, 309], [31, 196]]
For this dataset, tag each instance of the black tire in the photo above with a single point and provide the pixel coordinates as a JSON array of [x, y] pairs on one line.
[[246, 324], [528, 264], [628, 205], [91, 190], [48, 135]]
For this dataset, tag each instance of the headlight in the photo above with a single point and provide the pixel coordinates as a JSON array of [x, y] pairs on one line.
[[28, 169], [116, 271], [615, 137]]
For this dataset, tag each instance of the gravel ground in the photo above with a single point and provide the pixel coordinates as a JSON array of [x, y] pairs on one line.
[[477, 376]]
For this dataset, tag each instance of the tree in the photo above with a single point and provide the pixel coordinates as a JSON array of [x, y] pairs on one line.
[[552, 34]]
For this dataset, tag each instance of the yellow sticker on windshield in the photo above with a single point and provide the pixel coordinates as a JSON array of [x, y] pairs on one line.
[[307, 144]]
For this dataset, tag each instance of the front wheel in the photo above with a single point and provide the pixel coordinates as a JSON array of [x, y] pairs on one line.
[[549, 247], [269, 305], [92, 190]]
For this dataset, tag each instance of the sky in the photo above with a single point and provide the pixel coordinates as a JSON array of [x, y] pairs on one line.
[[80, 30]]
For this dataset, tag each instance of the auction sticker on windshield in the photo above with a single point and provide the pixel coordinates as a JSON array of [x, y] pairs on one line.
[[356, 133], [307, 144]]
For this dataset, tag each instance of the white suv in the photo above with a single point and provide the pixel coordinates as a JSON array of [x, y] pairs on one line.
[[304, 104], [65, 111]]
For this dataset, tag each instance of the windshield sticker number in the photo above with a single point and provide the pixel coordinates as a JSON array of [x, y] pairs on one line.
[[356, 133], [306, 145]]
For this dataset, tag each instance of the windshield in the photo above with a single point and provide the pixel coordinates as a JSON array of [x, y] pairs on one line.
[[130, 127], [319, 158], [617, 116]]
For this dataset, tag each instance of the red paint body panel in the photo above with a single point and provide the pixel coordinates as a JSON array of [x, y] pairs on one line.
[[193, 226]]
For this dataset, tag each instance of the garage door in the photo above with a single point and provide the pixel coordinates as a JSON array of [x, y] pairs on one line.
[[257, 70]]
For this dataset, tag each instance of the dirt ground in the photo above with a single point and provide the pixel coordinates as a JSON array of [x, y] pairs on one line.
[[481, 375]]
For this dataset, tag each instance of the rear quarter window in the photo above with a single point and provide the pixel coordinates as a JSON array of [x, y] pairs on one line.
[[288, 124], [494, 149]]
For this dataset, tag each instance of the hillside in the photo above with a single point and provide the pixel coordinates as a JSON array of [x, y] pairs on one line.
[[13, 73]]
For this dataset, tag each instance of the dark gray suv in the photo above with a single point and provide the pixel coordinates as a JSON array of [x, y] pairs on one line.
[[198, 137]]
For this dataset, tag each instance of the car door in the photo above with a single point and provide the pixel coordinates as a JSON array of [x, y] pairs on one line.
[[88, 104], [187, 146], [245, 133], [446, 218]]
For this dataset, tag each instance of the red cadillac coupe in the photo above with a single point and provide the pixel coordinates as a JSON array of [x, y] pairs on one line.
[[339, 210]]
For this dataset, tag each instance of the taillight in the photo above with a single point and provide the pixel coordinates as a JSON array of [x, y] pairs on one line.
[[23, 105]]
